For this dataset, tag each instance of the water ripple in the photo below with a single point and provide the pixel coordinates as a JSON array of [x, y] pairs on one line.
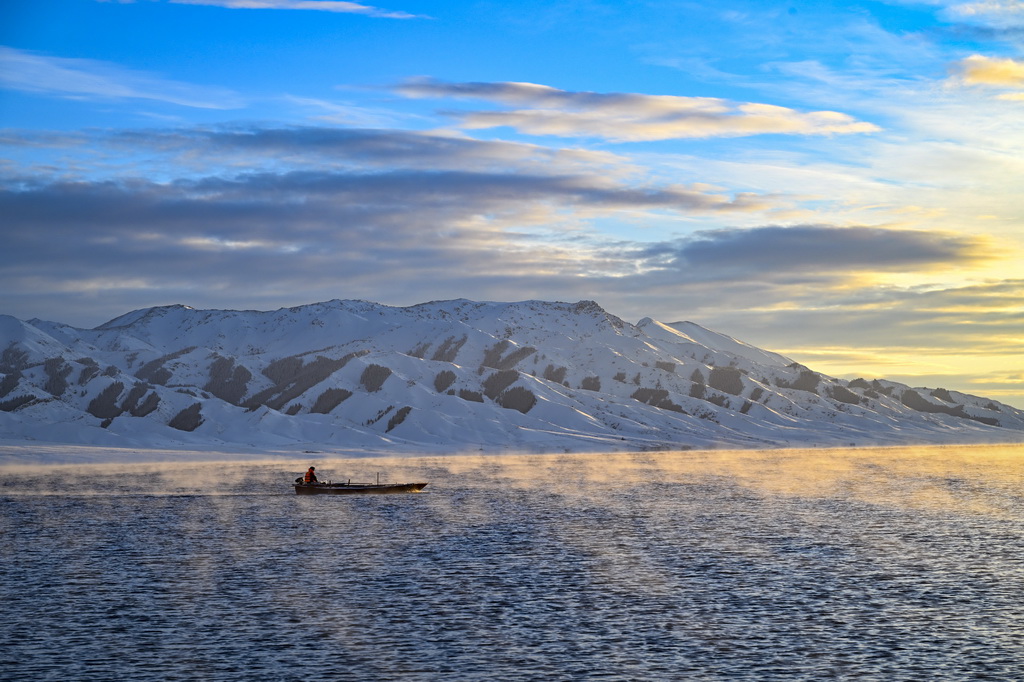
[[687, 575]]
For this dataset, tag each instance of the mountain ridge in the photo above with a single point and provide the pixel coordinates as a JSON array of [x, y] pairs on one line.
[[447, 376]]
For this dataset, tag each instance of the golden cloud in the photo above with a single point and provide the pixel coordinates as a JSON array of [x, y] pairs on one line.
[[980, 70]]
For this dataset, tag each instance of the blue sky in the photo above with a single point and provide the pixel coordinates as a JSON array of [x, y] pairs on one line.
[[840, 182]]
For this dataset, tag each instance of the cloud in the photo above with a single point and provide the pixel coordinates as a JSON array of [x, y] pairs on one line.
[[1001, 20], [303, 206], [222, 150], [307, 5], [1004, 74], [92, 79], [269, 240], [342, 112], [315, 194], [1000, 14], [961, 335], [981, 70], [284, 238], [818, 249], [628, 117], [327, 147]]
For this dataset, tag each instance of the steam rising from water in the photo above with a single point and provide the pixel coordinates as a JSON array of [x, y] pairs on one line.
[[986, 479]]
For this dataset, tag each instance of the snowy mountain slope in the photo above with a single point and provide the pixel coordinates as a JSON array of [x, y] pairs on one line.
[[446, 376], [688, 332]]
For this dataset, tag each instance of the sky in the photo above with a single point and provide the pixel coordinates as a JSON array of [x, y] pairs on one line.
[[840, 182]]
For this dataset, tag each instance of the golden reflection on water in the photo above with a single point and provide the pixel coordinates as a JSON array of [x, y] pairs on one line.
[[984, 479]]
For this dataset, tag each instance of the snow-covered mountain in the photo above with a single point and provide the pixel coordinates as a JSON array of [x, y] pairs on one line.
[[449, 376]]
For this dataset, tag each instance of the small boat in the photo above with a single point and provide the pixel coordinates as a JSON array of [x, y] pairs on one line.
[[351, 488]]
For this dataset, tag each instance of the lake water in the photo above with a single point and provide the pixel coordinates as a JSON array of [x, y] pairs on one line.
[[885, 564]]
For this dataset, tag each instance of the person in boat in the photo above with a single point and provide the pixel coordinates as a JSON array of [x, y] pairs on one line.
[[310, 476]]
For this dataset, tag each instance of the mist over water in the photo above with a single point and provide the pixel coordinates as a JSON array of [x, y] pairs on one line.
[[798, 564]]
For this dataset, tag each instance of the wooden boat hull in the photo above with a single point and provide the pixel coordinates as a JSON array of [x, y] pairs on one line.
[[357, 488]]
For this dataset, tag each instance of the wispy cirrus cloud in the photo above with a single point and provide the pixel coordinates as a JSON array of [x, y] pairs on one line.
[[93, 79], [997, 14], [628, 117], [306, 5]]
